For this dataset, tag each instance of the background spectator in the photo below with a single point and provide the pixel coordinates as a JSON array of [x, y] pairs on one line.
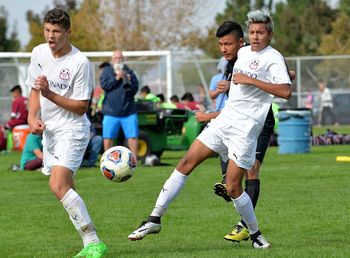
[[164, 104], [32, 155], [147, 95], [217, 97], [19, 111], [176, 101], [93, 149], [190, 103], [120, 86], [326, 115]]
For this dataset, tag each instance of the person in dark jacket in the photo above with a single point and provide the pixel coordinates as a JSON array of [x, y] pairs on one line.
[[120, 85]]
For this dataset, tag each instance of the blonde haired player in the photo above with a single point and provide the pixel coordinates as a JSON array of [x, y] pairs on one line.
[[259, 73], [61, 80]]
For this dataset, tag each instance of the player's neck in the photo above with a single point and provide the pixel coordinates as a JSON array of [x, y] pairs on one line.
[[67, 48]]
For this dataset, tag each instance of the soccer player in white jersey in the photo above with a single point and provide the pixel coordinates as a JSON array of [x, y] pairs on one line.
[[259, 73], [61, 80]]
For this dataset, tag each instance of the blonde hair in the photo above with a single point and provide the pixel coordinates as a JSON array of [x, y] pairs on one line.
[[260, 16]]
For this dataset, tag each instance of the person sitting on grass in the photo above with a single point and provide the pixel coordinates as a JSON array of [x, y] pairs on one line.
[[32, 154]]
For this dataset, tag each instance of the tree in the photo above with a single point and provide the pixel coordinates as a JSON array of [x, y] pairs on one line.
[[11, 43], [236, 10], [300, 24], [87, 27], [128, 25], [149, 24], [35, 30]]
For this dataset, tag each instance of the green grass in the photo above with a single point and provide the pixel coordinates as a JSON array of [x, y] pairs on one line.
[[341, 129], [303, 210]]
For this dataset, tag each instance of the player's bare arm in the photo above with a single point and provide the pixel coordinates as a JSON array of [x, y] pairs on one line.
[[204, 117], [78, 107], [36, 126], [279, 90]]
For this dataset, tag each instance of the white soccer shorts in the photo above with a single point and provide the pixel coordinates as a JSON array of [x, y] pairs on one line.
[[64, 148], [231, 142]]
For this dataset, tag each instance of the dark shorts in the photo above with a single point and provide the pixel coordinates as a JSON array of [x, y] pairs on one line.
[[264, 137]]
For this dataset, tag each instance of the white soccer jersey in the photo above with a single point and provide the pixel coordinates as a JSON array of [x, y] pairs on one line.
[[266, 65], [70, 76]]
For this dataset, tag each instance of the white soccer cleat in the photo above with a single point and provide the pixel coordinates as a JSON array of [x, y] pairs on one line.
[[145, 229], [260, 242]]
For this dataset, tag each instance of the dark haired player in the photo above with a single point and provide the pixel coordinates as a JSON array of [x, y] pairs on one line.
[[61, 80]]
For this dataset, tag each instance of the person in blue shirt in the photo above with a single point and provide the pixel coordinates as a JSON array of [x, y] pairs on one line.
[[120, 86], [218, 97]]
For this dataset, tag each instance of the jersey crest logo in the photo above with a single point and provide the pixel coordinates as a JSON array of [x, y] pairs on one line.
[[65, 74], [254, 65]]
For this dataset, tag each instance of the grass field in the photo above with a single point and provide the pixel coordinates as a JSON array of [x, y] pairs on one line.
[[303, 210]]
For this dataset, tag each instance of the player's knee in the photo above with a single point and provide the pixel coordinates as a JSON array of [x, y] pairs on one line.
[[57, 189], [186, 165], [234, 189]]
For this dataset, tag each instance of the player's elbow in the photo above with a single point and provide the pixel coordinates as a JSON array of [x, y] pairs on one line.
[[286, 92], [81, 108]]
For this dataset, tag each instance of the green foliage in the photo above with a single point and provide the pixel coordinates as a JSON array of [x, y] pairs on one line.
[[299, 26], [7, 44], [303, 210], [338, 41], [36, 30]]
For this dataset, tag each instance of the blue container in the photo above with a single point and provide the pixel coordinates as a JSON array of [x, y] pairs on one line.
[[294, 131]]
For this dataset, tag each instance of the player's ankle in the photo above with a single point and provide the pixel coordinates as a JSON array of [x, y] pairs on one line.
[[154, 219]]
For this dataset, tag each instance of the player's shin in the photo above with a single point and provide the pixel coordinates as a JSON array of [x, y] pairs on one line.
[[170, 190], [80, 217], [244, 207]]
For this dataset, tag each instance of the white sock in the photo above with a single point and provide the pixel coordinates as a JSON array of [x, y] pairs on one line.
[[170, 190], [79, 216], [244, 207]]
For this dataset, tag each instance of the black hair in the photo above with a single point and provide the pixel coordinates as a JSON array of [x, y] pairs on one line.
[[58, 16], [161, 97], [174, 98], [230, 27], [187, 96], [16, 88], [146, 89]]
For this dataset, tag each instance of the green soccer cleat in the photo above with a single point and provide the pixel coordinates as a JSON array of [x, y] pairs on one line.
[[238, 234], [220, 190], [93, 251]]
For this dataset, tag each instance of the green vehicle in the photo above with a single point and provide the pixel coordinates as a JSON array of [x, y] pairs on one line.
[[159, 129], [165, 129]]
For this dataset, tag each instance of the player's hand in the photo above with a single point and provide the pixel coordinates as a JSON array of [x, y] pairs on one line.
[[36, 126], [222, 86], [42, 84], [292, 75], [201, 116], [240, 78]]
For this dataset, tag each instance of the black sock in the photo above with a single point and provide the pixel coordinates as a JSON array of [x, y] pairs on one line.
[[154, 219], [252, 188], [255, 235]]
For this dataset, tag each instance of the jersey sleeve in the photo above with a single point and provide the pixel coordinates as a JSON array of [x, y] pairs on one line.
[[84, 81], [278, 72], [34, 70]]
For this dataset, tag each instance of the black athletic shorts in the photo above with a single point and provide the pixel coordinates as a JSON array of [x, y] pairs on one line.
[[265, 135]]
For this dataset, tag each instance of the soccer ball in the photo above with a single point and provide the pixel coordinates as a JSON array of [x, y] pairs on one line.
[[118, 164], [152, 160]]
